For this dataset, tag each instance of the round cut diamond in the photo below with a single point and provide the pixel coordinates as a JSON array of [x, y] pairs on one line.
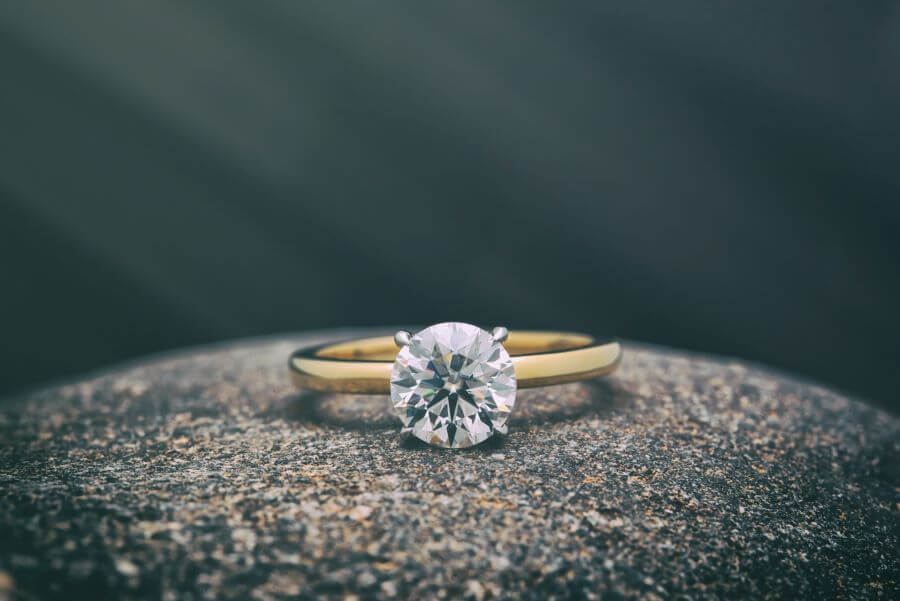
[[453, 385]]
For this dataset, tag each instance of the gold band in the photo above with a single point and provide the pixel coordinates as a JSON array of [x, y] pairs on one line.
[[540, 359]]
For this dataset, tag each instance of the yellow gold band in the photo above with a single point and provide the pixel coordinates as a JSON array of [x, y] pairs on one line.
[[540, 359]]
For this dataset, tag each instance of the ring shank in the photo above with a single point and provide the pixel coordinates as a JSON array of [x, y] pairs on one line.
[[540, 359]]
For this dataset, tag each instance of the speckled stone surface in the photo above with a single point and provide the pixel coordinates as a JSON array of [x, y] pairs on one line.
[[204, 475]]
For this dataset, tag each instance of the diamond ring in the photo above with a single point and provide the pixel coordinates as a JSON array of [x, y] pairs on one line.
[[453, 384]]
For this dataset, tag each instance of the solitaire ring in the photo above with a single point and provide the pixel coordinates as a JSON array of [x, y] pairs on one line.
[[453, 384]]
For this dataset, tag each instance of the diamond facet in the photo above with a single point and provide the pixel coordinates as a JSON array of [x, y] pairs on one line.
[[453, 385]]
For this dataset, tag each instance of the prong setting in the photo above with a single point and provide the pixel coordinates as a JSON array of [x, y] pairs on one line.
[[500, 334], [401, 338]]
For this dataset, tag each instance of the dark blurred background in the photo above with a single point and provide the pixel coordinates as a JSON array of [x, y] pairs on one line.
[[721, 176]]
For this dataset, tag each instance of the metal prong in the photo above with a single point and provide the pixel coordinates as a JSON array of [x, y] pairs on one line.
[[401, 338], [500, 334]]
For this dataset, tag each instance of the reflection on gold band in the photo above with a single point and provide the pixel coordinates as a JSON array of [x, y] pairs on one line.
[[540, 359]]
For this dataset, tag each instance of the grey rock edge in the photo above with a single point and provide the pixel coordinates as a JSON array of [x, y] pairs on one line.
[[205, 475]]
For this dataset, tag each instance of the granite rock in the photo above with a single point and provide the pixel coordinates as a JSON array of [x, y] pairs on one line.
[[205, 475]]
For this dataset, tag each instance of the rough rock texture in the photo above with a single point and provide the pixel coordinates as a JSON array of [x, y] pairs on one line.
[[204, 475]]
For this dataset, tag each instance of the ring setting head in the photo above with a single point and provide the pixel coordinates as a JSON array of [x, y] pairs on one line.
[[453, 384]]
